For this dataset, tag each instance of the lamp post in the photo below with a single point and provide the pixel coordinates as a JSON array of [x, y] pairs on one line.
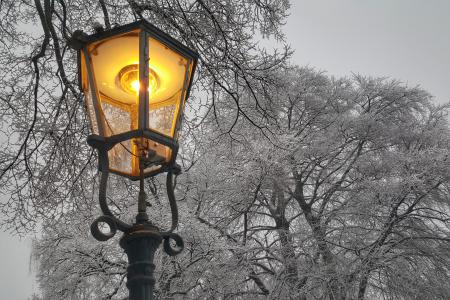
[[135, 79]]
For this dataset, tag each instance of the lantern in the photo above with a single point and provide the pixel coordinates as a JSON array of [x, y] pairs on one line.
[[136, 80]]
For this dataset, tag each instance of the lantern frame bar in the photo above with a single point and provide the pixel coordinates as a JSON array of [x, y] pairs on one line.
[[143, 80], [182, 99]]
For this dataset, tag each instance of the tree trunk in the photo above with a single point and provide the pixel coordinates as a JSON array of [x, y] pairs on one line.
[[363, 285], [335, 290]]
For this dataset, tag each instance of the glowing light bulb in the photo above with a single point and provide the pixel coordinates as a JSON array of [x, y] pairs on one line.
[[129, 80], [135, 86]]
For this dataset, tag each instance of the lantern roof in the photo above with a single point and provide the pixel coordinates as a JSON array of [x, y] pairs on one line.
[[151, 29]]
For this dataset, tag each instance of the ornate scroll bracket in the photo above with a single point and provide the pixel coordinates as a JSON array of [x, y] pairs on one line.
[[169, 238], [173, 243]]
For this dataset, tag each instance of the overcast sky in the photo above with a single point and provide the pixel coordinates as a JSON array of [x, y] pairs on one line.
[[404, 39]]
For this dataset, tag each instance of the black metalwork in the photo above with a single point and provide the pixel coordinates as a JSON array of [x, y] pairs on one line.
[[141, 239]]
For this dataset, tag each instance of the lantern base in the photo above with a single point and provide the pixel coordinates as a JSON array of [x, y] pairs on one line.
[[104, 144]]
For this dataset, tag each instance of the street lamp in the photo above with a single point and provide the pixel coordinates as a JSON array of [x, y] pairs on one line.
[[135, 79]]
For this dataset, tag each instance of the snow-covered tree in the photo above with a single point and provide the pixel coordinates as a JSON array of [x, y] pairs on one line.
[[295, 185], [345, 195], [342, 195]]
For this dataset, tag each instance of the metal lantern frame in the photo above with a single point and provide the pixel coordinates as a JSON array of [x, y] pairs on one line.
[[142, 238], [146, 31]]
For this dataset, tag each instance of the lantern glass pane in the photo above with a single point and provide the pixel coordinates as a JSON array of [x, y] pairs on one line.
[[120, 159], [168, 77], [115, 62], [161, 119], [117, 120], [161, 154]]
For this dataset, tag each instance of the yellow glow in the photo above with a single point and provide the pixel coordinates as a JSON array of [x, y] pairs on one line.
[[135, 86], [115, 62], [129, 79]]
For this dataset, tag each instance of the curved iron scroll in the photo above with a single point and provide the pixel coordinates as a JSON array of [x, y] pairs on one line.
[[115, 223], [172, 202], [168, 248], [103, 157]]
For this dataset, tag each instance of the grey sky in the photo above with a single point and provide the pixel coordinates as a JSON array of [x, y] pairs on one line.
[[404, 39], [16, 280]]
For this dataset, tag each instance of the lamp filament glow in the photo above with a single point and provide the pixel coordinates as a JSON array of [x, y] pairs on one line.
[[128, 78], [135, 86]]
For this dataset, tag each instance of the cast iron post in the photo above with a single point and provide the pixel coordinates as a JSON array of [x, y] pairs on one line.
[[140, 245]]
